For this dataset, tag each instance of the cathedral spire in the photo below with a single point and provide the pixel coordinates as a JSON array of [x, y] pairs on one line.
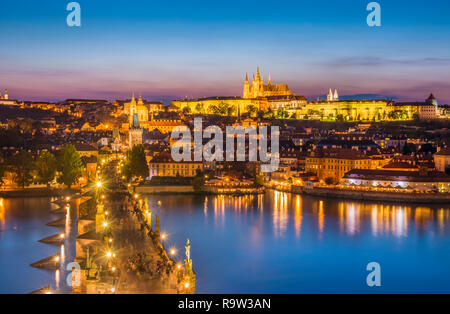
[[270, 80], [330, 95], [246, 77], [257, 73]]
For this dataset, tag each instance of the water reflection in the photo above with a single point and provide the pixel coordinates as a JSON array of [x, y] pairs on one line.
[[353, 218]]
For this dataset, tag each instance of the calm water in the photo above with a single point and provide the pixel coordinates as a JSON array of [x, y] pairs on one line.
[[282, 243], [277, 243], [22, 225]]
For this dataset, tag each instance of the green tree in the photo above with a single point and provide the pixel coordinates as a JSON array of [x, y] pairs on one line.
[[70, 165], [22, 166], [136, 163], [198, 182], [282, 114], [46, 167]]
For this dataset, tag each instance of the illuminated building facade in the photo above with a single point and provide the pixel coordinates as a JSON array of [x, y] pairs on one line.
[[335, 163], [164, 166], [258, 96]]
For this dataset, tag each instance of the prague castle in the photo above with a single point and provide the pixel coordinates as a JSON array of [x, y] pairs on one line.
[[258, 89], [258, 96]]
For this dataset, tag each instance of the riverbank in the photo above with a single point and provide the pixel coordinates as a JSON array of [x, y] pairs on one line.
[[37, 192], [207, 190], [402, 197]]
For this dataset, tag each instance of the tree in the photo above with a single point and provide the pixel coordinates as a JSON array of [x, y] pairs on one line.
[[136, 163], [22, 166], [70, 165], [3, 168], [186, 110], [282, 114], [230, 110], [199, 107], [447, 170], [251, 109], [46, 167], [198, 182]]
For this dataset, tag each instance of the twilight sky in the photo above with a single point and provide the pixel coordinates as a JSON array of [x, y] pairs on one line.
[[174, 49]]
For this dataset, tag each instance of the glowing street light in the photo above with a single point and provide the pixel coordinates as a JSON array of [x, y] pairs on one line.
[[62, 235], [186, 285], [163, 236], [173, 252], [99, 184], [178, 266], [108, 254]]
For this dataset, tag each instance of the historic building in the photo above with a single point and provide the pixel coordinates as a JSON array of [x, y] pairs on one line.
[[334, 163], [258, 89], [421, 180], [150, 116], [163, 165], [442, 159], [5, 96], [258, 96], [135, 133]]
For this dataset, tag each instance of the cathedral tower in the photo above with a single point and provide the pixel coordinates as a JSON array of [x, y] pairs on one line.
[[246, 93]]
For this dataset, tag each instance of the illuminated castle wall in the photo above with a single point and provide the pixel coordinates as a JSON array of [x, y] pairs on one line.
[[259, 96]]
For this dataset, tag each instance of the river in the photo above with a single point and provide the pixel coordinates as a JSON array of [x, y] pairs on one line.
[[272, 243]]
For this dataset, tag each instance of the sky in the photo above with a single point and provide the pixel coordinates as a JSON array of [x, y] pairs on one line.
[[177, 49]]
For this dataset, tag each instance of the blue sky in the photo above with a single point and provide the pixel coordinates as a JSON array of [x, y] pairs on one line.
[[174, 49]]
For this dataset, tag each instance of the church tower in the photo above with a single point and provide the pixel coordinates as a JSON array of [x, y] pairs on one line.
[[133, 110], [246, 92], [135, 133], [330, 95], [336, 96], [6, 94]]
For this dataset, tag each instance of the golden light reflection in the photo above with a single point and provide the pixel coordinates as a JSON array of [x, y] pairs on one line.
[[298, 215], [321, 217], [205, 207], [57, 278], [2, 214], [280, 213]]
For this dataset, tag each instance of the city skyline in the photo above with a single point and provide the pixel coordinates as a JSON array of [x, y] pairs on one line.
[[204, 49]]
